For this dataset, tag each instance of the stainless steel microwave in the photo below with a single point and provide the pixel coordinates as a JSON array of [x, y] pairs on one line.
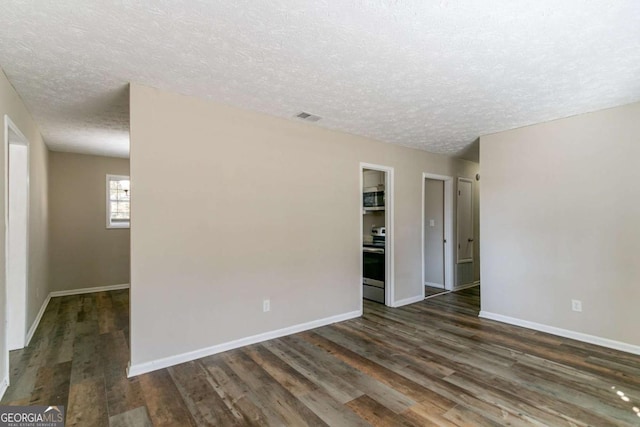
[[373, 200]]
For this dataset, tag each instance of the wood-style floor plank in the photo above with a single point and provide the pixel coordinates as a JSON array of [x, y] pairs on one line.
[[52, 385], [134, 418], [234, 392], [86, 404], [269, 394], [164, 403], [377, 414], [338, 388], [206, 408], [433, 363]]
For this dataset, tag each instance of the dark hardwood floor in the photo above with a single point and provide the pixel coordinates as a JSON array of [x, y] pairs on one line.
[[431, 291], [430, 363]]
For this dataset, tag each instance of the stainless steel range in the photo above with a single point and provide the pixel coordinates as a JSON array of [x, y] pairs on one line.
[[373, 268]]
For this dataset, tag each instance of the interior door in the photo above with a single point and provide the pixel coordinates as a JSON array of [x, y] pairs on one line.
[[434, 233], [465, 220], [17, 265]]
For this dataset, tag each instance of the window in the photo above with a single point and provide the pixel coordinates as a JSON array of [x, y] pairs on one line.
[[118, 193]]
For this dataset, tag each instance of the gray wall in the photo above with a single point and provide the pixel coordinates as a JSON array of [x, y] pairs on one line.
[[37, 287], [434, 235], [231, 207], [560, 220], [84, 253]]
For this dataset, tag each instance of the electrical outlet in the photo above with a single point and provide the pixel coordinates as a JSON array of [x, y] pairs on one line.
[[266, 305], [432, 223], [576, 305]]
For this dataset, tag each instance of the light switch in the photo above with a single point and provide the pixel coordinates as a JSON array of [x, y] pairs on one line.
[[432, 223]]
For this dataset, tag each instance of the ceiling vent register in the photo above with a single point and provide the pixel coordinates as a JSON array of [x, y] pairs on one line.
[[307, 117]]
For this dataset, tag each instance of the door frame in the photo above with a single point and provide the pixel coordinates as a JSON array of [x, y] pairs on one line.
[[10, 126], [449, 255], [389, 286]]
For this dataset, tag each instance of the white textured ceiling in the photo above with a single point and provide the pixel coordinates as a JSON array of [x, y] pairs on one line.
[[427, 74]]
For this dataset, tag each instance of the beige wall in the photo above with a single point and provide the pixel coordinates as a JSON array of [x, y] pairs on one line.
[[84, 253], [559, 221], [37, 288], [231, 207]]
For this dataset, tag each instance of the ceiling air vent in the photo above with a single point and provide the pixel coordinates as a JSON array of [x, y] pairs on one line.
[[308, 117]]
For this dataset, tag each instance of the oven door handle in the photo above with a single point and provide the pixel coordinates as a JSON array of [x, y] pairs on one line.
[[373, 250]]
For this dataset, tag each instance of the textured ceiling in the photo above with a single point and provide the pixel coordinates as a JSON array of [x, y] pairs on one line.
[[427, 74]]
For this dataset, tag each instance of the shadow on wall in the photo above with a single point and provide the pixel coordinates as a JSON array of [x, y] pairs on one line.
[[471, 152]]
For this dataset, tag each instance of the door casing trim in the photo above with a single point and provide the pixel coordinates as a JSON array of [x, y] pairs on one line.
[[448, 230]]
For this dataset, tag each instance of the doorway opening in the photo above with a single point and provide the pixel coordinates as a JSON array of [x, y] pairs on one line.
[[376, 233], [16, 213], [437, 234]]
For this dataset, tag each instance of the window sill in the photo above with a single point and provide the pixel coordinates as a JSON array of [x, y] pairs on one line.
[[117, 226]]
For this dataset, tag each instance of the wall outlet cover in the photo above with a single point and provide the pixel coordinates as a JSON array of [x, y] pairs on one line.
[[576, 305]]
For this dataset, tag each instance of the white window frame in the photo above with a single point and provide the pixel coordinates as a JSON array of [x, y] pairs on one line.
[[108, 200]]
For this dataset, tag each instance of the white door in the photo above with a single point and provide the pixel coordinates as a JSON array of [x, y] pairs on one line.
[[465, 220], [434, 233], [16, 245]]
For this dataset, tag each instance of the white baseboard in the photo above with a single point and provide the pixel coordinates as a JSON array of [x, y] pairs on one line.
[[578, 336], [408, 301], [36, 321], [143, 368], [435, 285], [89, 290], [4, 385], [466, 286]]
